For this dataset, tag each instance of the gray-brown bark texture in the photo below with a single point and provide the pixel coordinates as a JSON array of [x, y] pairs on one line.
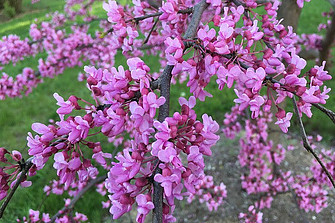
[[16, 4], [290, 12]]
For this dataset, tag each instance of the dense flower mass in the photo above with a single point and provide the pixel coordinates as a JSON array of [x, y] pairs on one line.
[[228, 43]]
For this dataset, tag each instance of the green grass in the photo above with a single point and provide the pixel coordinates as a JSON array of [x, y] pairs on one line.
[[17, 115]]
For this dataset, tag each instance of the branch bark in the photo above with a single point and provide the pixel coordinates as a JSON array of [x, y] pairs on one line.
[[24, 171], [290, 12], [327, 42], [91, 184], [165, 81], [327, 111], [153, 3], [306, 142]]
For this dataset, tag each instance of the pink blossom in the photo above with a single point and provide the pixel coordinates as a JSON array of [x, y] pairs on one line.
[[255, 106], [114, 12], [206, 34], [151, 103], [144, 207], [65, 106], [284, 123], [34, 216], [309, 96], [166, 181], [243, 100]]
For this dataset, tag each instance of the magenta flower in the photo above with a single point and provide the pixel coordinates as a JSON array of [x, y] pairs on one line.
[[127, 167], [16, 155], [206, 34], [253, 79], [169, 178], [34, 216], [145, 205], [284, 123], [170, 10], [100, 158], [162, 136], [35, 145], [65, 106], [309, 96], [141, 120], [242, 99], [46, 132], [114, 12], [195, 161], [118, 209], [151, 103], [78, 129], [255, 106]]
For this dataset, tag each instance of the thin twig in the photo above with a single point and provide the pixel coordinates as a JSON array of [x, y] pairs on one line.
[[151, 30], [327, 111], [24, 171], [306, 142], [327, 42], [140, 18], [78, 196]]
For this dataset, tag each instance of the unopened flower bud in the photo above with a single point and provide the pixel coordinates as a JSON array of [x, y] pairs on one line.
[[92, 81]]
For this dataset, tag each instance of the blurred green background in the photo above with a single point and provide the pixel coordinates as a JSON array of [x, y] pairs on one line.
[[17, 115]]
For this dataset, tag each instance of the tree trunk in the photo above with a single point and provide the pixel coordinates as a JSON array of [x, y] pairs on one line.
[[2, 2], [327, 42], [290, 12], [154, 3], [16, 4]]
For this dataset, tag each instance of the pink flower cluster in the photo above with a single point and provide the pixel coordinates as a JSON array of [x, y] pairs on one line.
[[11, 170], [13, 49], [179, 135], [34, 217], [264, 175], [209, 193]]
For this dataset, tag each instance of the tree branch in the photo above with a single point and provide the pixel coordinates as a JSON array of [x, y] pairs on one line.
[[78, 196], [290, 12], [327, 111], [140, 18], [306, 142], [153, 3], [165, 81], [327, 42], [24, 171], [151, 30]]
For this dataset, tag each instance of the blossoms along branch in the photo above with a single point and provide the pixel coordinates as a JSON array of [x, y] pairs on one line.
[[155, 157]]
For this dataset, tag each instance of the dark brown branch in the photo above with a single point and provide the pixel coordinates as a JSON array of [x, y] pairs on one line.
[[153, 3], [290, 12], [306, 142], [327, 42], [151, 30], [90, 184], [165, 81], [328, 112], [24, 171], [140, 18]]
